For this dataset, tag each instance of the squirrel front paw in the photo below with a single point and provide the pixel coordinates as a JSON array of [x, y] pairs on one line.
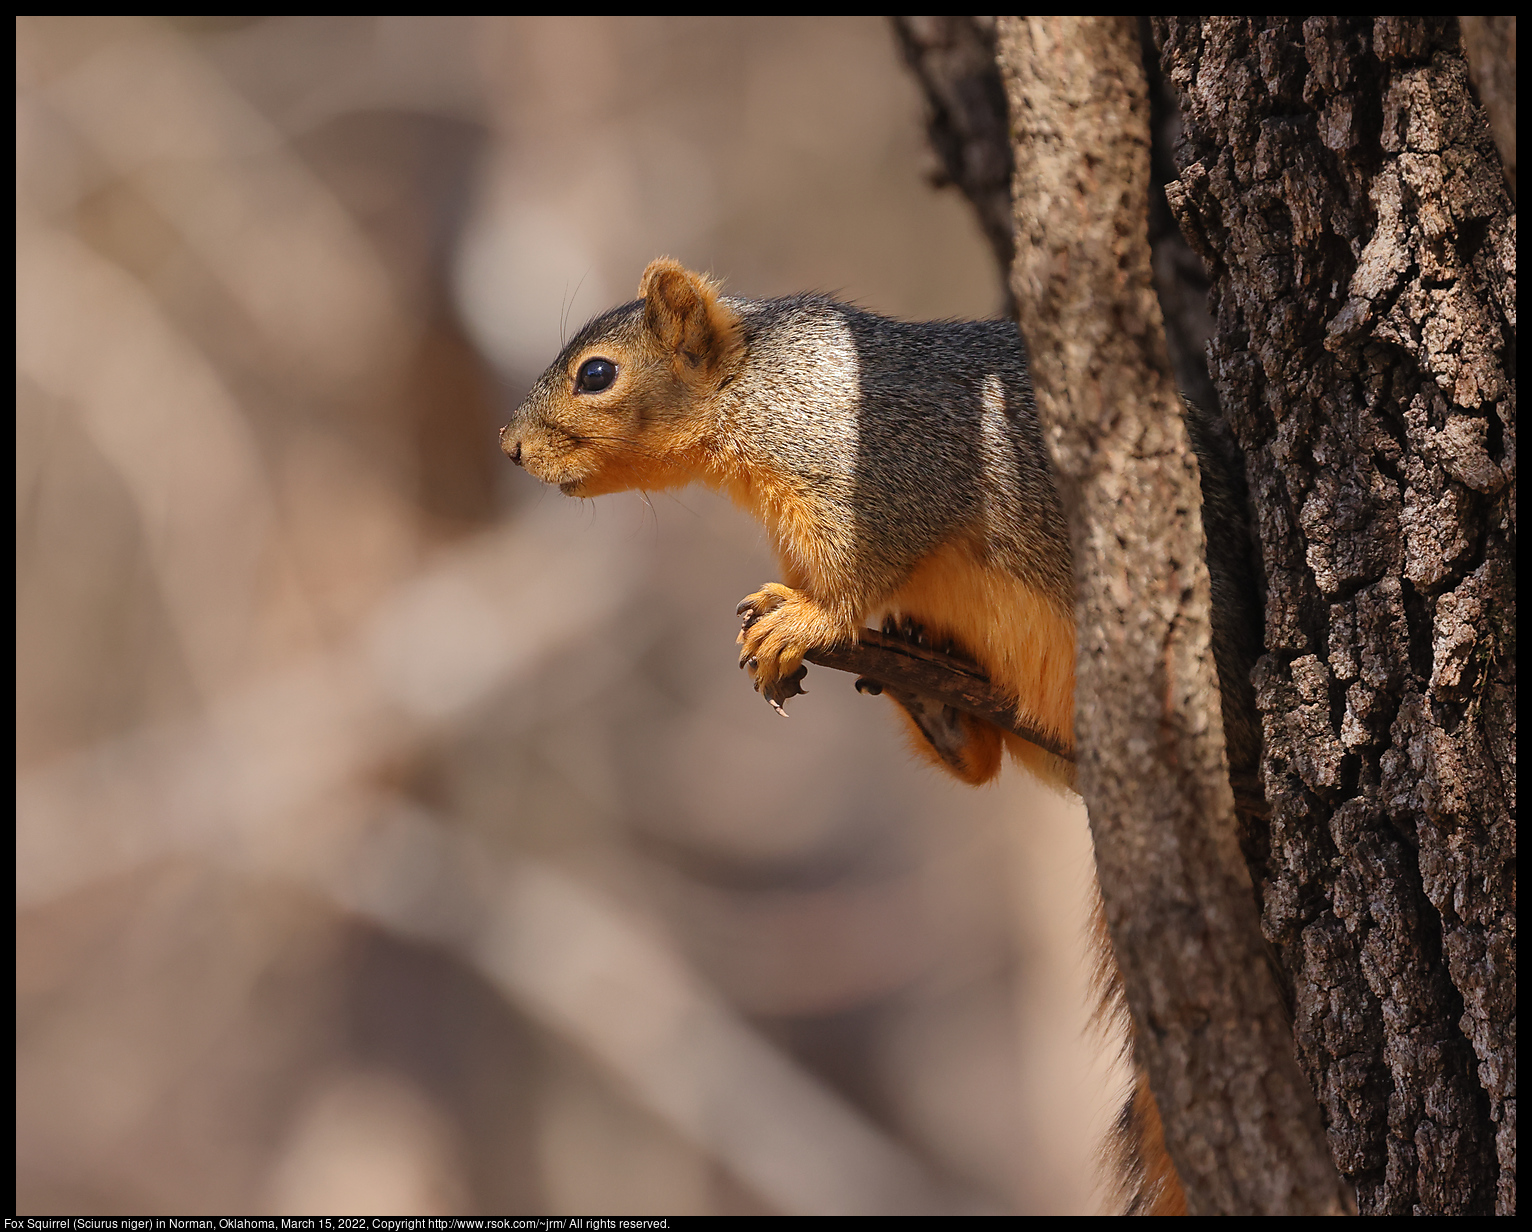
[[777, 626]]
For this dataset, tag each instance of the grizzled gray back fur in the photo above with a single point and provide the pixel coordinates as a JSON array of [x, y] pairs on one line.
[[919, 433]]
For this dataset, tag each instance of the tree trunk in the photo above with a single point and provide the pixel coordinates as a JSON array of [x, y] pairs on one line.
[[1344, 188], [1239, 1120]]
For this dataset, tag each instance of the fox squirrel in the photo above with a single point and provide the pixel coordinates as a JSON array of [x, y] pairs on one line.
[[899, 469]]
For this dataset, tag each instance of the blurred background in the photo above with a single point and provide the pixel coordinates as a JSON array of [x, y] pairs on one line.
[[396, 836]]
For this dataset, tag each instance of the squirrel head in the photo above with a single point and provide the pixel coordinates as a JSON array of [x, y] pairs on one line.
[[630, 401]]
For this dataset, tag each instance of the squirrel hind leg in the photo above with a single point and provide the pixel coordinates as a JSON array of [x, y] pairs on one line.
[[963, 745]]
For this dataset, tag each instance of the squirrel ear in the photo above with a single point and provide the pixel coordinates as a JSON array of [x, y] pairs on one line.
[[683, 312]]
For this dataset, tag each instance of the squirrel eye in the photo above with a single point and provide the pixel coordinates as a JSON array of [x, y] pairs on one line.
[[595, 375]]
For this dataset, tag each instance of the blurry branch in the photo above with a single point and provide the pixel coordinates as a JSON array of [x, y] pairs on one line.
[[288, 253], [94, 340], [272, 783], [247, 775], [608, 982], [159, 122]]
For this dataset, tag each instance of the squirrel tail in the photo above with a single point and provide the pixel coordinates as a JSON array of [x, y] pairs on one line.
[[1143, 1177]]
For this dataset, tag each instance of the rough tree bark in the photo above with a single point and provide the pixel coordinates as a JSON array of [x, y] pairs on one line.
[[1340, 185], [1239, 1120], [1489, 43], [1344, 188]]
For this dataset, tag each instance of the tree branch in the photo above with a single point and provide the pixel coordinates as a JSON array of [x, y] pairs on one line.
[[889, 661]]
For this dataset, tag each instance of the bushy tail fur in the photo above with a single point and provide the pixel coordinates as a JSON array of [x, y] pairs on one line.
[[1144, 1181]]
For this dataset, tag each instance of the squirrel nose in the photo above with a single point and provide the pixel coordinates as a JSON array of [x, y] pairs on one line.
[[511, 445]]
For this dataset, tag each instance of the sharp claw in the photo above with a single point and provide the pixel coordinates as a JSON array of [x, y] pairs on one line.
[[752, 663], [779, 708], [870, 687], [743, 605]]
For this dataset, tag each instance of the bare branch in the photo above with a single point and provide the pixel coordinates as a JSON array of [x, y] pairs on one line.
[[893, 662]]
